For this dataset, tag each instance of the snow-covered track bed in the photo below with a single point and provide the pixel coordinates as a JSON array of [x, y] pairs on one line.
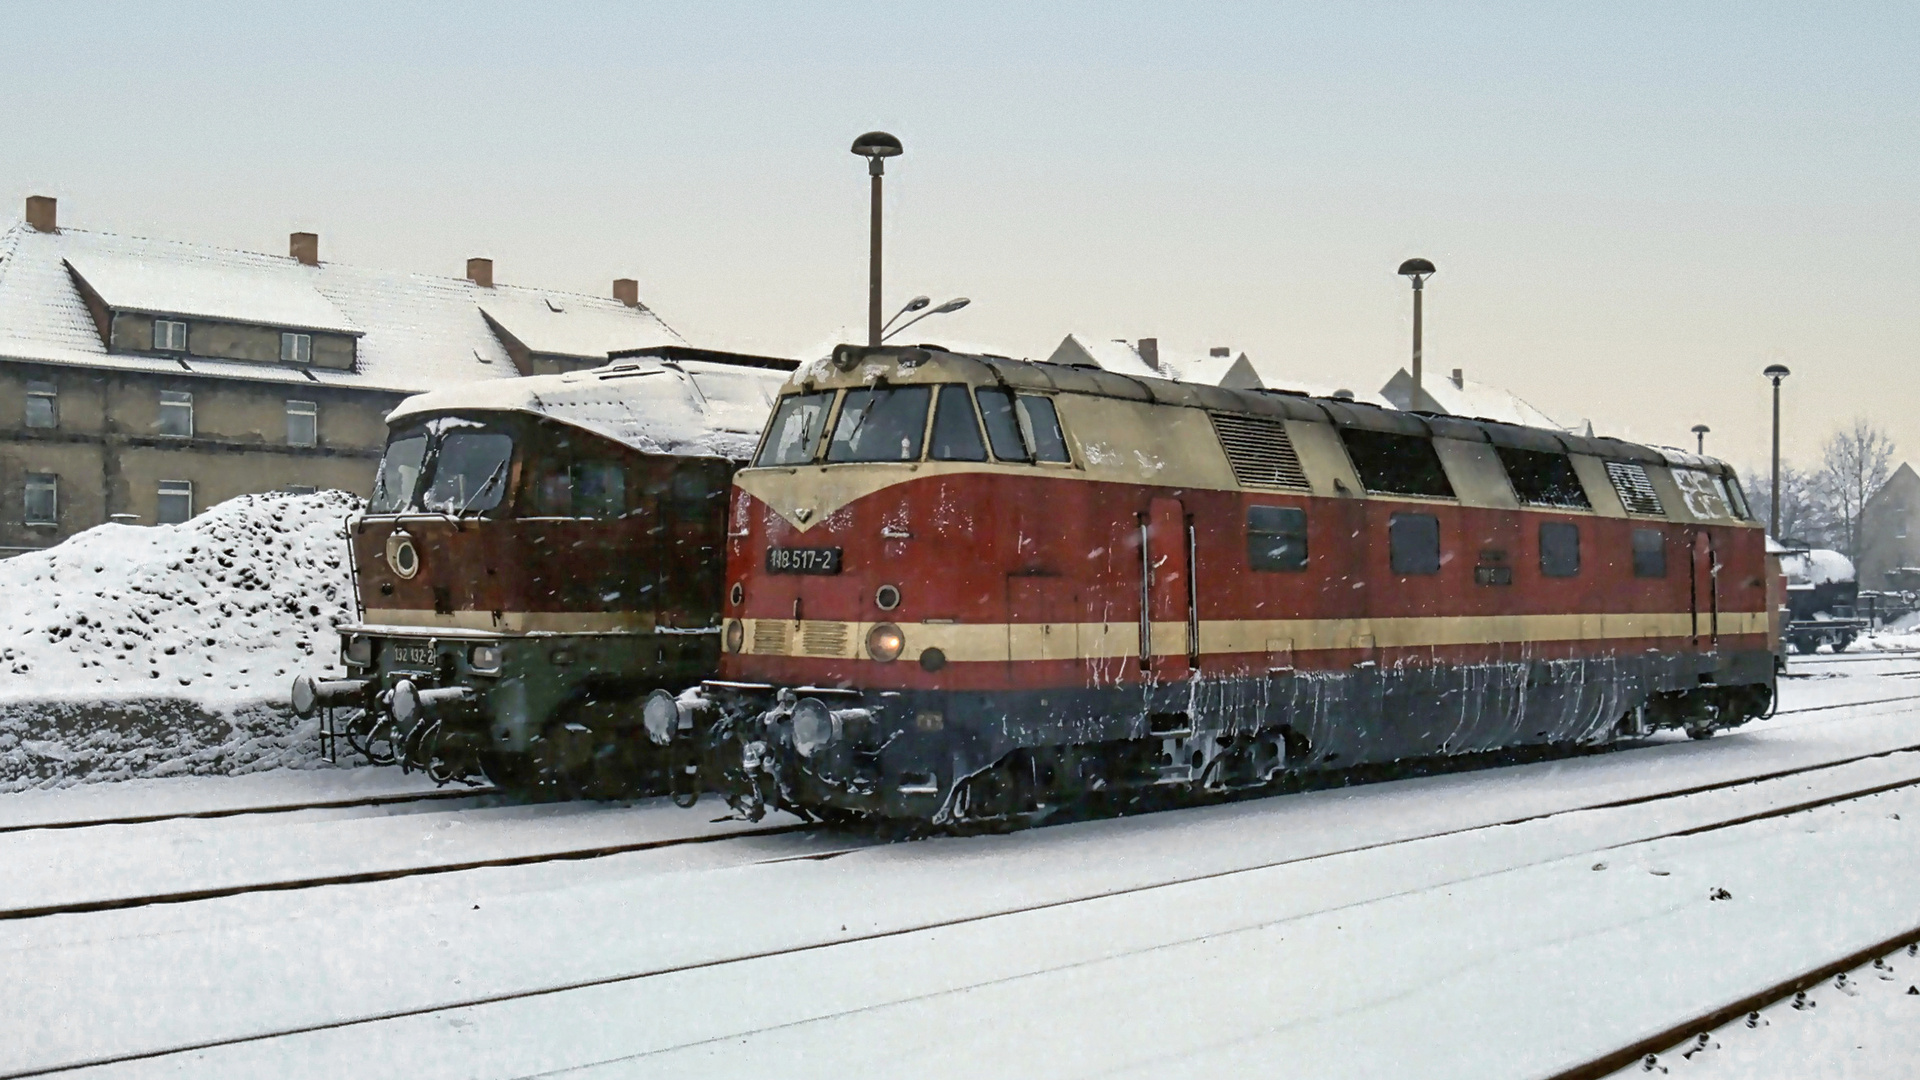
[[57, 872], [476, 796], [663, 969]]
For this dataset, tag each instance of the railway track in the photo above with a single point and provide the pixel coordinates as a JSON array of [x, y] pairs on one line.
[[1854, 791], [1696, 1030], [344, 803]]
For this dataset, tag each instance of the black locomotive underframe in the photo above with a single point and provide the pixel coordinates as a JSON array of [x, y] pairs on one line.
[[908, 754]]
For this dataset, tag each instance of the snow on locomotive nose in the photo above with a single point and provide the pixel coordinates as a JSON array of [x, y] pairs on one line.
[[966, 587]]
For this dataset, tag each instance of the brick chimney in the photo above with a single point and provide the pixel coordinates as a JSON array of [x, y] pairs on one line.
[[1149, 350], [480, 272], [1459, 379], [304, 247], [1220, 350], [41, 213], [627, 291]]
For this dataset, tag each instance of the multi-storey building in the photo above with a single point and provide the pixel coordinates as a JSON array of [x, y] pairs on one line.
[[142, 380]]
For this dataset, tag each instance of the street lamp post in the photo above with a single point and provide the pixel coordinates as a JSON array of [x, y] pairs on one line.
[[876, 147], [1776, 372], [1416, 271], [1700, 439], [954, 304]]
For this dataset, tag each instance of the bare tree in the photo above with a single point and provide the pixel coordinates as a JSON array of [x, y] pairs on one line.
[[1854, 464], [1804, 518]]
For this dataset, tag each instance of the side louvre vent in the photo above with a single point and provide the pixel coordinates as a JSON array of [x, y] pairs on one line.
[[1636, 491], [1259, 451], [824, 639], [769, 637]]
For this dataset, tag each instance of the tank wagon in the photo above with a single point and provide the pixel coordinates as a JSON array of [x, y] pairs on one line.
[[1822, 600], [537, 555], [966, 587]]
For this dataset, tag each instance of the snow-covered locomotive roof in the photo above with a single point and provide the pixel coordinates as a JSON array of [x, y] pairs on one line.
[[688, 408]]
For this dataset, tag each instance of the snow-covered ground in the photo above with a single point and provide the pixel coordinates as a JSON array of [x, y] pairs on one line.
[[132, 651], [1356, 932]]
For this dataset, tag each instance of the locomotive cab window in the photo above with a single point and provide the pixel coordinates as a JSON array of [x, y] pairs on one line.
[[795, 429], [1040, 424], [582, 489], [468, 471], [956, 431], [1559, 548], [1541, 478], [1276, 538], [1413, 543], [1649, 553], [884, 423], [1022, 428], [399, 471], [1394, 464]]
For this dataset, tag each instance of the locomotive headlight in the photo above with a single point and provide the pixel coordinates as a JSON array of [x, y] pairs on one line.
[[812, 726], [736, 635], [885, 641], [661, 717], [358, 650], [484, 658]]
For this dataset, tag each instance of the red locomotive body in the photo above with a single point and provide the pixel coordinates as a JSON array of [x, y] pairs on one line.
[[965, 587]]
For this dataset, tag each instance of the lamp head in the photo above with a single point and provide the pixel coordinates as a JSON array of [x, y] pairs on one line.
[[916, 304], [1416, 268], [1701, 429], [877, 144], [954, 304], [1776, 372]]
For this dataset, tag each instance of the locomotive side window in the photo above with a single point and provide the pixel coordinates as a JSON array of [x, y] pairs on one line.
[[1649, 553], [795, 429], [1041, 425], [956, 433], [1003, 428], [882, 424], [1737, 499], [1276, 538], [1540, 478], [1413, 543], [1393, 464], [1559, 548], [469, 472], [399, 471]]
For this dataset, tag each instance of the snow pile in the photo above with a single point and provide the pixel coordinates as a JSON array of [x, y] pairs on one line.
[[132, 650], [1817, 567]]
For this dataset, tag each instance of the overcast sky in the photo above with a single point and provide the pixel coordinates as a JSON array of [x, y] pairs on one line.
[[1633, 207]]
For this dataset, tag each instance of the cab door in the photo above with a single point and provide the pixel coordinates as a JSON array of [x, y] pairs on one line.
[[1170, 634], [1704, 576]]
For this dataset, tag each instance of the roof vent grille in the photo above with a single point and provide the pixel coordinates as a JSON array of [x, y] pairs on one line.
[[1259, 451], [1635, 488]]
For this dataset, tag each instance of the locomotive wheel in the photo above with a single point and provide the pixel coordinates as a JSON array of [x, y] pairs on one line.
[[510, 771]]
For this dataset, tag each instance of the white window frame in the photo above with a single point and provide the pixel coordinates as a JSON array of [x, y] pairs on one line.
[[170, 328], [49, 393], [296, 348], [173, 489], [311, 412], [175, 399], [42, 482]]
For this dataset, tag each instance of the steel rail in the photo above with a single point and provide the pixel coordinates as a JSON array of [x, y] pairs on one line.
[[243, 811], [981, 917], [1677, 1035]]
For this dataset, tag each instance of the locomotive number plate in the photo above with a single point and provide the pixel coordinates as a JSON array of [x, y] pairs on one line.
[[414, 655], [786, 560]]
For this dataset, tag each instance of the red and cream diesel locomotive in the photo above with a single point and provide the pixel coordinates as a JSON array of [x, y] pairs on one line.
[[966, 587]]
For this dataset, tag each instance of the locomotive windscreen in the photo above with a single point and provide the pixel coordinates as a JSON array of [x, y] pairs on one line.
[[882, 424], [795, 429], [399, 470], [462, 464]]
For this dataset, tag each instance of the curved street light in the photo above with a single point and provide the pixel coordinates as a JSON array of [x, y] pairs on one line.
[[1776, 372], [914, 304], [954, 304]]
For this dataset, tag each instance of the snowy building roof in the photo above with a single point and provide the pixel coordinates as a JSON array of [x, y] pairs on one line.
[[1457, 395], [415, 331], [689, 408], [1113, 355], [1148, 360]]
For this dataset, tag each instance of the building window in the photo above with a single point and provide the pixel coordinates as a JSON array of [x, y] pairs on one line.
[[1413, 543], [43, 405], [169, 335], [303, 424], [1559, 548], [176, 414], [1649, 553], [176, 501], [296, 348], [43, 499], [1276, 538]]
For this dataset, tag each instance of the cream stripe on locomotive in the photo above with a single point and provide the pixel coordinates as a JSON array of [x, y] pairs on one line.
[[827, 639]]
